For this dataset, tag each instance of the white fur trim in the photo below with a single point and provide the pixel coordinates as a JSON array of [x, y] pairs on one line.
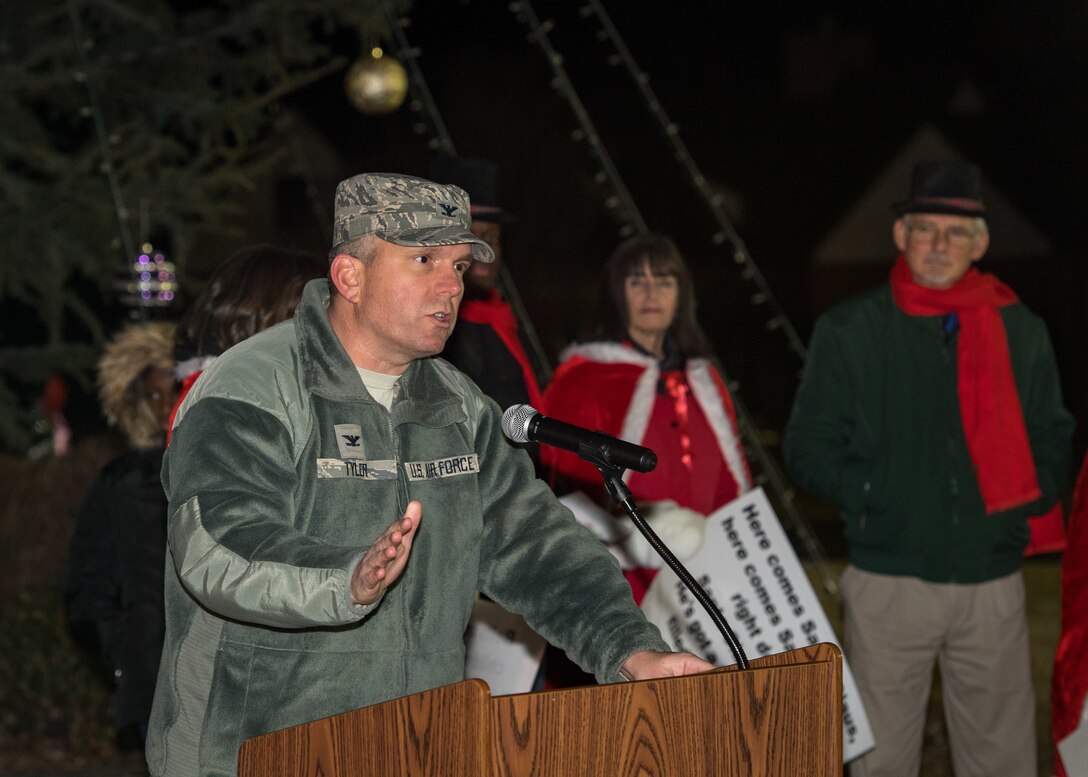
[[186, 368], [706, 394], [640, 409], [703, 388], [679, 528], [607, 352], [642, 400], [605, 526]]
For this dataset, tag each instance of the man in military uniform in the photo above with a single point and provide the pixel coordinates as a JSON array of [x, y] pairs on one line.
[[337, 498]]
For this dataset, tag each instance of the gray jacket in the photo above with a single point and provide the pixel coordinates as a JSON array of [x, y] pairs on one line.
[[281, 472]]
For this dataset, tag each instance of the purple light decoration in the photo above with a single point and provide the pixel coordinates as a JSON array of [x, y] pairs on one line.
[[151, 280]]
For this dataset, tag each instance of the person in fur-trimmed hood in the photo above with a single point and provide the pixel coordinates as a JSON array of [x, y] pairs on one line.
[[114, 585], [649, 382]]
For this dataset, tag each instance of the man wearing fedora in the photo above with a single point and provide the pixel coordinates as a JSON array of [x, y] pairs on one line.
[[337, 497], [930, 413], [488, 344]]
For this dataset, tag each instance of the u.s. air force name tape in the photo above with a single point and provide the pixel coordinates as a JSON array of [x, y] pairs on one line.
[[443, 468], [386, 469]]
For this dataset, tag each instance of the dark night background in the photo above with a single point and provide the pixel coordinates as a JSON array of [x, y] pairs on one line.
[[793, 112]]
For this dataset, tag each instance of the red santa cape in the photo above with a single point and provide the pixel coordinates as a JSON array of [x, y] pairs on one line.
[[612, 388]]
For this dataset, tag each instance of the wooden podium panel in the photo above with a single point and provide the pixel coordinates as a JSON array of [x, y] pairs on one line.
[[783, 716], [432, 733]]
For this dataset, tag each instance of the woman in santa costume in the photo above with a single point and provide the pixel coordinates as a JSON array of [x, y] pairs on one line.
[[649, 380]]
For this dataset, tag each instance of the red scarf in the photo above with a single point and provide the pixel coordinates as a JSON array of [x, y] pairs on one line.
[[993, 421], [496, 314]]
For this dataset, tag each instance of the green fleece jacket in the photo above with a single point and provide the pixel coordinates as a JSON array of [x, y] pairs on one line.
[[876, 429], [281, 472]]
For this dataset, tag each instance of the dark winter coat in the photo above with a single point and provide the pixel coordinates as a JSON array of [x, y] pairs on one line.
[[114, 586], [876, 428]]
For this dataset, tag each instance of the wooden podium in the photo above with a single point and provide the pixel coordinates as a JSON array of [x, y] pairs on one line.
[[782, 716]]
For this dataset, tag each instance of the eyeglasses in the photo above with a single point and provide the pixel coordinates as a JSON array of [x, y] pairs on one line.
[[927, 231]]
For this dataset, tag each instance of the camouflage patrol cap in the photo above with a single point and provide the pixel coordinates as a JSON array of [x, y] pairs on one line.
[[405, 211]]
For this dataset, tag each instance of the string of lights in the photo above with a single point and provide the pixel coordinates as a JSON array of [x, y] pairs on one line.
[[422, 102], [767, 472], [620, 203], [443, 142], [713, 200]]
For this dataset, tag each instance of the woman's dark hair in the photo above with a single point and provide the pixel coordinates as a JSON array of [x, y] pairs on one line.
[[664, 259], [256, 287]]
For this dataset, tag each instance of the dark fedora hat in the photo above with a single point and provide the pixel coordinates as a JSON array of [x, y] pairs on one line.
[[478, 177], [953, 188]]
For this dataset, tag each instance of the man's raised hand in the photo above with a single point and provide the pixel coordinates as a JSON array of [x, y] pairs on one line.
[[387, 557]]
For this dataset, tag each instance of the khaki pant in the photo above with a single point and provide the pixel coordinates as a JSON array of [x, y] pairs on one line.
[[895, 628]]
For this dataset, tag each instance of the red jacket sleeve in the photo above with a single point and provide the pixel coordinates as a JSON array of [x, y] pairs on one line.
[[1070, 679]]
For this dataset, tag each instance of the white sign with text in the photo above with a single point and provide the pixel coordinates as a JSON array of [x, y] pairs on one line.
[[748, 567]]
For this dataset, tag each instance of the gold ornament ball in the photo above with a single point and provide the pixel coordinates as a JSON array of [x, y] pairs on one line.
[[376, 85]]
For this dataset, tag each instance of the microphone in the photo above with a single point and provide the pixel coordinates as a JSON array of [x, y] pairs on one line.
[[522, 423]]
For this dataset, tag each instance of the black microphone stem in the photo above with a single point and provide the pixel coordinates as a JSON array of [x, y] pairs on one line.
[[613, 481]]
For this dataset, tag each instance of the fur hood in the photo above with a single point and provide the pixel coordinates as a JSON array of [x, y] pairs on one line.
[[123, 363]]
